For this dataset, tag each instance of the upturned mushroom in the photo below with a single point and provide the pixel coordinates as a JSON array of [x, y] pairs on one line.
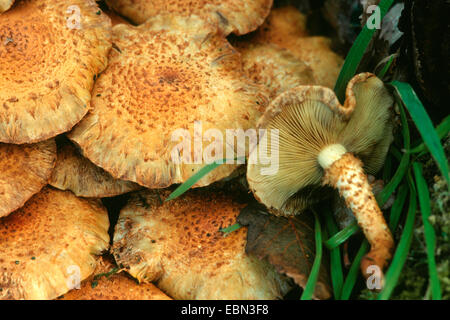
[[180, 247], [321, 142], [51, 244], [237, 16]]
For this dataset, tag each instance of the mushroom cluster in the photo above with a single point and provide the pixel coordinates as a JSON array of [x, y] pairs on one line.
[[103, 106]]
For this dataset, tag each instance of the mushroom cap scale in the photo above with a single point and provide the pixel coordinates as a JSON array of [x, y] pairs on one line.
[[310, 118], [164, 76], [179, 245], [237, 16], [54, 237], [50, 52], [76, 173], [25, 170]]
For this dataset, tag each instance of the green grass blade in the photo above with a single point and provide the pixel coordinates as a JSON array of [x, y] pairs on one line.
[[387, 191], [196, 177], [430, 236], [192, 180], [356, 53], [314, 274], [341, 236], [401, 253], [337, 275], [387, 168], [353, 273], [442, 130], [424, 125], [397, 207], [386, 67], [231, 228]]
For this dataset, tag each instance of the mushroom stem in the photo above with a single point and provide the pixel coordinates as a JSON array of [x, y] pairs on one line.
[[344, 172]]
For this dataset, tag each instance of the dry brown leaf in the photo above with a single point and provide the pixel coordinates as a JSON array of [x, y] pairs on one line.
[[287, 243]]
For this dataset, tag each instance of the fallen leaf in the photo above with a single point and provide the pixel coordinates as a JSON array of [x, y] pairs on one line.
[[287, 243]]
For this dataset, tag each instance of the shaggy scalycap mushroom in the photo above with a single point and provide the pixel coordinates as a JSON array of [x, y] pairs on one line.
[[108, 282], [24, 171], [237, 16], [274, 67], [76, 173], [50, 52], [164, 77], [321, 142], [5, 5], [286, 27], [49, 245], [179, 245]]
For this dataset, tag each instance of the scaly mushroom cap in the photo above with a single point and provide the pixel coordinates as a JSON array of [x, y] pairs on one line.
[[179, 245], [162, 77], [49, 244], [76, 173], [237, 16], [24, 171], [274, 67], [50, 52], [5, 5], [309, 118], [286, 27], [281, 24], [107, 283]]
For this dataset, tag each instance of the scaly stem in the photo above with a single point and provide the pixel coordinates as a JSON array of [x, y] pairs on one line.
[[344, 172]]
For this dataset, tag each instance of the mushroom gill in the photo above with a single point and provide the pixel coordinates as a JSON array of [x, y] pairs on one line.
[[321, 142]]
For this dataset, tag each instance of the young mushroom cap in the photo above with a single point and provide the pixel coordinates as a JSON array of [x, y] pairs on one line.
[[50, 52], [274, 67], [52, 239], [25, 170], [237, 16], [180, 246], [164, 78], [109, 283], [319, 140], [5, 5], [76, 173]]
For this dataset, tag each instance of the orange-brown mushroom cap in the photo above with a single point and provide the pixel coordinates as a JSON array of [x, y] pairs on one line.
[[286, 27], [50, 52], [50, 244], [179, 245], [109, 283], [310, 118], [237, 16], [5, 5], [76, 173], [24, 171], [274, 67], [164, 77]]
